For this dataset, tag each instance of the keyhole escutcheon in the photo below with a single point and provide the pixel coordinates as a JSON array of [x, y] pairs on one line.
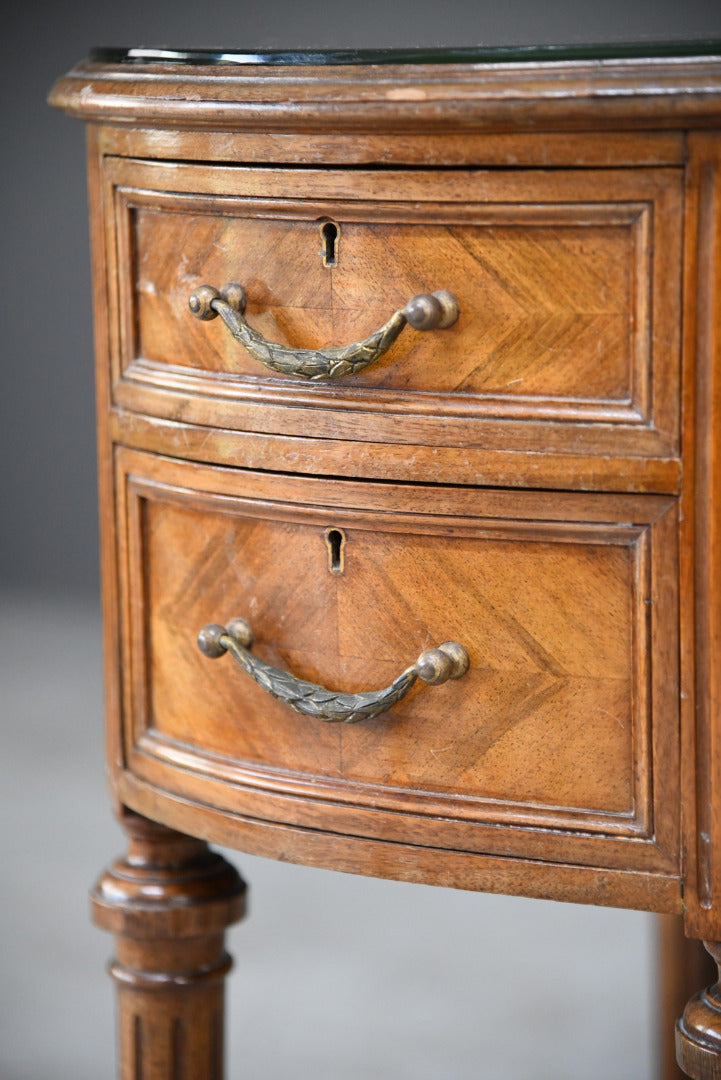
[[330, 236], [335, 543]]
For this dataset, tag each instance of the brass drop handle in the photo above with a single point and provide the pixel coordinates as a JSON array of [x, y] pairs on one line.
[[434, 666], [427, 311]]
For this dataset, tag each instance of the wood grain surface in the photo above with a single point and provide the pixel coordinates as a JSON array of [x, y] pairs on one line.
[[569, 287], [539, 482], [664, 93], [565, 603], [701, 534], [168, 904]]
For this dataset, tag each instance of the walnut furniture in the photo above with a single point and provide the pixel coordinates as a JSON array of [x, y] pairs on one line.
[[516, 498]]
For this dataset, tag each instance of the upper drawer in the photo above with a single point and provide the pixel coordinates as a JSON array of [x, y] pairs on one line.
[[568, 283]]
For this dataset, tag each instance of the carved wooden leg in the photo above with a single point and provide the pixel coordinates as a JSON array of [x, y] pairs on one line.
[[698, 1032], [168, 903], [683, 966]]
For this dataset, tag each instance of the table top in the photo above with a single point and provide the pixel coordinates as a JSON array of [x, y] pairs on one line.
[[646, 86], [447, 55]]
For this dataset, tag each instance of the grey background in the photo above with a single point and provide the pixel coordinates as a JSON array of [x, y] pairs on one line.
[[337, 977]]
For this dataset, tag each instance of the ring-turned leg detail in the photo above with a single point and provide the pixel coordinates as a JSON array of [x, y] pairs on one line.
[[168, 902], [698, 1032]]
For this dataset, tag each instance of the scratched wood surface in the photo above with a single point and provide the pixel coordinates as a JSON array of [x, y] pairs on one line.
[[424, 99], [701, 534]]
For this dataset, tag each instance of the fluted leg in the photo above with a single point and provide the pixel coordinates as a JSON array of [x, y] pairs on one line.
[[698, 1032], [168, 902]]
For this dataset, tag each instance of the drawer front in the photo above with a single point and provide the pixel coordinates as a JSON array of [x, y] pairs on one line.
[[563, 730], [568, 284]]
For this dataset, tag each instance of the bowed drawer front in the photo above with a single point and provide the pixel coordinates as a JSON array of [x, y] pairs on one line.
[[568, 283], [561, 728]]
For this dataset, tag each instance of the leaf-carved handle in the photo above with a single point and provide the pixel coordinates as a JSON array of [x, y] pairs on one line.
[[427, 311], [434, 666]]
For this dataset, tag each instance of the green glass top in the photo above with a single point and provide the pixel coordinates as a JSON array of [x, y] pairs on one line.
[[471, 55]]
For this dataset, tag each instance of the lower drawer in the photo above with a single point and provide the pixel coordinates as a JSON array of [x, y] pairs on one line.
[[559, 745]]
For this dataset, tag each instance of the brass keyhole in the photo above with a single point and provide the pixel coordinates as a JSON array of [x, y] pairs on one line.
[[330, 235], [335, 543]]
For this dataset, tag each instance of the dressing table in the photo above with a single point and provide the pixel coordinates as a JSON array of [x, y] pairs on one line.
[[408, 383]]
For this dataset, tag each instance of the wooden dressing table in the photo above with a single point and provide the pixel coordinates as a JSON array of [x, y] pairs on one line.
[[409, 382]]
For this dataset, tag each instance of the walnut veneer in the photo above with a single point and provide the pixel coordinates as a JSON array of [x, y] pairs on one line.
[[538, 482]]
